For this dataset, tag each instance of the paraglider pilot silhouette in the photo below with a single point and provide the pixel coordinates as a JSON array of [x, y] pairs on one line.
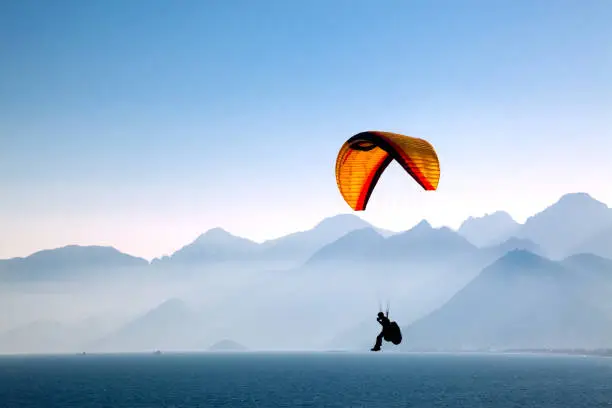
[[390, 331]]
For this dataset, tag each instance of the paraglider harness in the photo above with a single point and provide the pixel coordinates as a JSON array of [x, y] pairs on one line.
[[392, 332]]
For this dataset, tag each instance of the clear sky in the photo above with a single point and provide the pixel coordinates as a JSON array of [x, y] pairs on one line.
[[143, 123]]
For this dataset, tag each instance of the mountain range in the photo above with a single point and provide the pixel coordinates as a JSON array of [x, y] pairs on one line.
[[218, 245], [170, 325], [576, 223], [68, 261], [493, 284], [520, 301], [530, 301]]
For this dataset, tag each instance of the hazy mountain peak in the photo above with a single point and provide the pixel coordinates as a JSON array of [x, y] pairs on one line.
[[217, 231], [216, 245], [67, 260], [590, 261], [514, 243], [227, 345], [422, 227], [574, 201], [342, 221], [526, 244], [424, 232], [567, 223], [75, 249], [489, 229], [579, 198], [522, 258], [521, 300], [583, 256], [167, 309], [499, 214], [350, 246], [169, 325], [300, 246], [217, 235]]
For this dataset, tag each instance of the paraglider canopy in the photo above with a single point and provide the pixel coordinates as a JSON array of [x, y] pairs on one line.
[[364, 157]]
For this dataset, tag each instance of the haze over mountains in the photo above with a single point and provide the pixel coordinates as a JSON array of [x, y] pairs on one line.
[[531, 302], [218, 245], [492, 284], [489, 229]]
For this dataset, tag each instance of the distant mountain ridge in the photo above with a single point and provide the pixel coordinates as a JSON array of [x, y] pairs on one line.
[[422, 243], [512, 244], [523, 291], [77, 256], [171, 325], [564, 225], [67, 260], [301, 245], [521, 300], [357, 246], [218, 245], [576, 223], [490, 229]]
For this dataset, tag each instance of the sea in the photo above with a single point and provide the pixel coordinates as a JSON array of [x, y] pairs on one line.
[[251, 379]]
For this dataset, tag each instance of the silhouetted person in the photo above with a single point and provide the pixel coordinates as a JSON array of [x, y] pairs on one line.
[[385, 323]]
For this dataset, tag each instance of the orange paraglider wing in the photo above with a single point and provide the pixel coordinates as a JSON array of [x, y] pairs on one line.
[[364, 157]]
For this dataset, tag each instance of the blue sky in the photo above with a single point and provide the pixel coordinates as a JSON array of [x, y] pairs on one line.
[[142, 123]]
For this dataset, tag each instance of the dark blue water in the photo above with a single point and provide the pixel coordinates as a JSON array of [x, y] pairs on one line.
[[305, 380]]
